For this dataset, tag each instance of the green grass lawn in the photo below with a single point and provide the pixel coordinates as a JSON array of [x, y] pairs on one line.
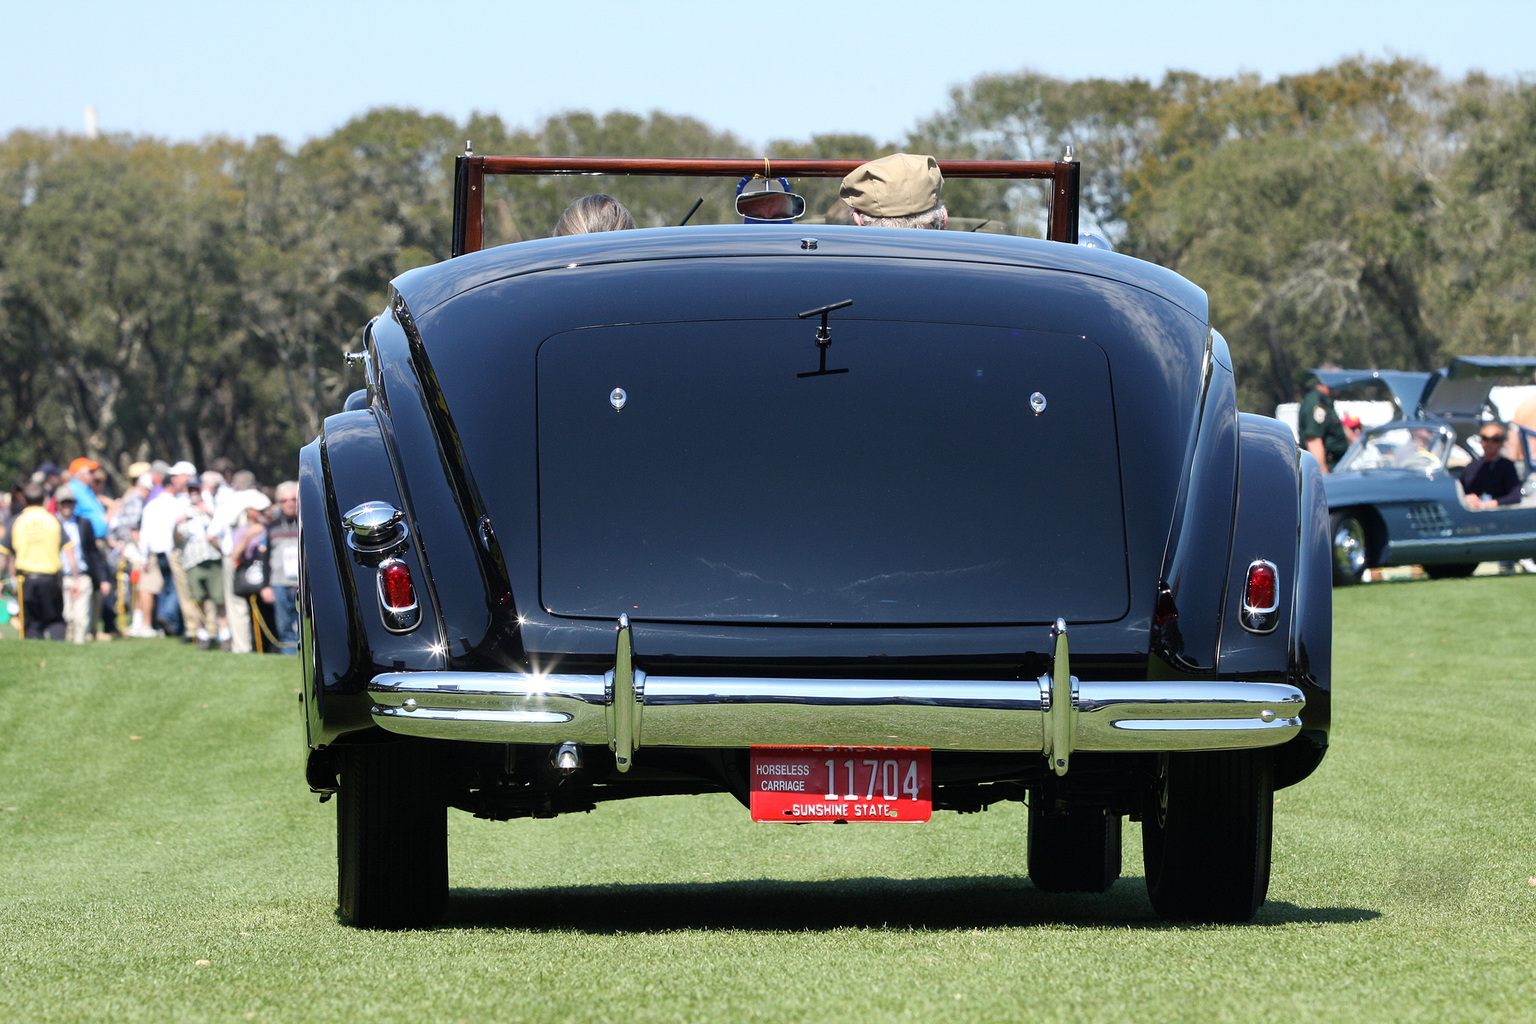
[[161, 859]]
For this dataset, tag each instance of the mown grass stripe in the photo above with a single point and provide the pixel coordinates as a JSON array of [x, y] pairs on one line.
[[155, 816]]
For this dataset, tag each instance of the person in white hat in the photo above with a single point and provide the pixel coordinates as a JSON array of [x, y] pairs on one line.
[[231, 519], [157, 531], [902, 190]]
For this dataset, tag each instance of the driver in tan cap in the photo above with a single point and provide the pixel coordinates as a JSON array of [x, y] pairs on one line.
[[897, 191]]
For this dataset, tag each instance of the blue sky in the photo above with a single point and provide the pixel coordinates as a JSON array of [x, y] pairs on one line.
[[763, 70]]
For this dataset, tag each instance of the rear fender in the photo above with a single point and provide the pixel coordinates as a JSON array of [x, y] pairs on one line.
[[1311, 664], [330, 644], [346, 642], [469, 582], [1282, 518]]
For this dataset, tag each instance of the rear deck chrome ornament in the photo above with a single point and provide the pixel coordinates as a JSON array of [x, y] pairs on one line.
[[1037, 403], [824, 337], [617, 398]]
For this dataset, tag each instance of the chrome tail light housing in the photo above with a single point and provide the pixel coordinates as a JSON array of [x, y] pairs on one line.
[[1261, 597]]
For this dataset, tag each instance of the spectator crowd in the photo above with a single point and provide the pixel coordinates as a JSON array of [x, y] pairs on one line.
[[210, 557]]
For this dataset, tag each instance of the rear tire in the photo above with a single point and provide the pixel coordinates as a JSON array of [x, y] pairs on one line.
[[1074, 851], [1206, 838], [1348, 550], [1453, 571], [391, 837]]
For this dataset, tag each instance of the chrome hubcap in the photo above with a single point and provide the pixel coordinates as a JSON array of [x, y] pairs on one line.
[[1349, 548]]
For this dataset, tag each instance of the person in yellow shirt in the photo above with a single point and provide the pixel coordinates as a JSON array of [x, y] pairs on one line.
[[40, 549]]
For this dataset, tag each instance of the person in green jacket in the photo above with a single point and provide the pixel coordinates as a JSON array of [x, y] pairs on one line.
[[1321, 432]]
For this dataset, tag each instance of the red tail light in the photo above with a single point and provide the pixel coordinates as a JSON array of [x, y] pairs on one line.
[[1261, 597], [1262, 586], [397, 597], [395, 584]]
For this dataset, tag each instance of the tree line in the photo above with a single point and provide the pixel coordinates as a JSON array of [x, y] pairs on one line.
[[188, 300]]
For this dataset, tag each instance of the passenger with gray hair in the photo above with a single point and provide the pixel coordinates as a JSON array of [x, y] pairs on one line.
[[898, 191], [597, 212]]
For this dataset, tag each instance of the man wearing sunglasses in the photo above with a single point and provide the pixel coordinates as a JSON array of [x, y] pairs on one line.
[[1491, 481]]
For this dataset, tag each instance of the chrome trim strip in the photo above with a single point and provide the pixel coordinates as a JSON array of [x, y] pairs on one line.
[[1431, 543], [941, 714], [481, 715], [1233, 724]]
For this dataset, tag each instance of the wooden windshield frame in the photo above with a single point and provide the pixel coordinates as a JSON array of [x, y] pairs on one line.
[[470, 173]]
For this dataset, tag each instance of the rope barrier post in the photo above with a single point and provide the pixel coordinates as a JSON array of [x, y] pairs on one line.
[[259, 621]]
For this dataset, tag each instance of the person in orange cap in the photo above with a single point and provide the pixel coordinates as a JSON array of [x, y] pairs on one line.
[[87, 504]]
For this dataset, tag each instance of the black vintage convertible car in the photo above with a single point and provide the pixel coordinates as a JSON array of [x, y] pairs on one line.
[[855, 524]]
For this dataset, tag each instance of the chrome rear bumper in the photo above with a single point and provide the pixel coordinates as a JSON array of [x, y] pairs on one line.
[[625, 709]]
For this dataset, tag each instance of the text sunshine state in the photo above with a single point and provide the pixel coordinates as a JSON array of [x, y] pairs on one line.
[[842, 810]]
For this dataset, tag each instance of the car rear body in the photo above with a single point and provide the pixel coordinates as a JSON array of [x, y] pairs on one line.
[[668, 496]]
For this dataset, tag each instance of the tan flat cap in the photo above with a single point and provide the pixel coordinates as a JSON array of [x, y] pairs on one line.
[[898, 185]]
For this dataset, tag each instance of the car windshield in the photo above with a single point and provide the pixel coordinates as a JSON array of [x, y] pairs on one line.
[[1411, 446], [521, 207]]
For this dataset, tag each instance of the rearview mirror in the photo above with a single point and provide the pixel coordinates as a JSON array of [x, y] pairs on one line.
[[765, 200]]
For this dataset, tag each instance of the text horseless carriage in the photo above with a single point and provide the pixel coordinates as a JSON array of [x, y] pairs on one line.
[[662, 512]]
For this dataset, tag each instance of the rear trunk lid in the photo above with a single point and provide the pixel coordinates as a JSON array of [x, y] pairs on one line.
[[905, 473]]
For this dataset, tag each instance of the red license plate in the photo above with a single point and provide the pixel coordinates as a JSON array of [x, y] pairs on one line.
[[841, 784]]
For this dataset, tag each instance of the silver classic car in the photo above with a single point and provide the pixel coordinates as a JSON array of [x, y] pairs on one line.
[[1396, 498]]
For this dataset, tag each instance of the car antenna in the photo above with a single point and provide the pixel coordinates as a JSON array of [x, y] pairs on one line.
[[691, 211], [983, 224]]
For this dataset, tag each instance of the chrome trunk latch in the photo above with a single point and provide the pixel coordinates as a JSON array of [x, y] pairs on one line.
[[626, 695], [1058, 704]]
